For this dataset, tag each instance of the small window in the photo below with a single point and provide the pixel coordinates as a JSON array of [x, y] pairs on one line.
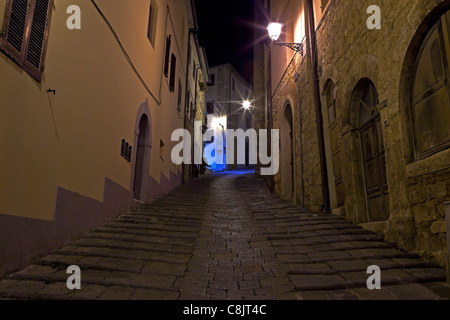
[[187, 100], [213, 80], [161, 149], [167, 57], [180, 95], [233, 84], [430, 91], [26, 29], [194, 69], [152, 22], [210, 108], [173, 67]]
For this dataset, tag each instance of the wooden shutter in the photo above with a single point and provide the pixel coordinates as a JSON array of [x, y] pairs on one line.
[[15, 28], [166, 62], [25, 33], [38, 38], [173, 67]]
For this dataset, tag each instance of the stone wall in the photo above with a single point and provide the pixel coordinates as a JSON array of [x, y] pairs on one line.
[[296, 89], [348, 52]]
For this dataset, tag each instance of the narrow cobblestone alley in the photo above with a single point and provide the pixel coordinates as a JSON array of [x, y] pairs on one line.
[[225, 237]]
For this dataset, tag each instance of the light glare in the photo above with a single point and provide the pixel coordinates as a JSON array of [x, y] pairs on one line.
[[274, 29]]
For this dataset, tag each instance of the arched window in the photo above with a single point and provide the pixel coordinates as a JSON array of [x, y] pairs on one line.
[[430, 91], [368, 102]]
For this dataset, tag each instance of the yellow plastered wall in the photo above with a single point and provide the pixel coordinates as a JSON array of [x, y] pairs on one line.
[[72, 139]]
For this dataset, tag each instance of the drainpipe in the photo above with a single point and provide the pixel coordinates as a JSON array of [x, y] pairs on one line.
[[271, 178], [318, 104], [447, 220], [183, 167], [301, 153]]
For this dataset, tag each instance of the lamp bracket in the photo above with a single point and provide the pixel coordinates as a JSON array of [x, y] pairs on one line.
[[298, 47]]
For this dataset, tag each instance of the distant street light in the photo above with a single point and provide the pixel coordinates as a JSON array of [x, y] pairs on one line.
[[247, 105], [274, 29]]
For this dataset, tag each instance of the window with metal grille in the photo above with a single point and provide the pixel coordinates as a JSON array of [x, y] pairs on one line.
[[173, 67], [430, 91], [25, 33]]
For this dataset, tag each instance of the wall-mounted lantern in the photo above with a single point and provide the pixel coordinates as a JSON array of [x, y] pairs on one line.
[[274, 29]]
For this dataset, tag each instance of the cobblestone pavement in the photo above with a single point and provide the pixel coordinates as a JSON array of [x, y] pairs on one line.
[[225, 237]]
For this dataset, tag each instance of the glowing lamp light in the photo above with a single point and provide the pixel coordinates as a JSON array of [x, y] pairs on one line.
[[246, 105], [274, 29]]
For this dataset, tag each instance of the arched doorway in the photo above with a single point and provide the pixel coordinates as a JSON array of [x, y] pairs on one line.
[[142, 158], [373, 151], [287, 154]]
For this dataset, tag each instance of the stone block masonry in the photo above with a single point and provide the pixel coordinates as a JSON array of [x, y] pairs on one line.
[[349, 55]]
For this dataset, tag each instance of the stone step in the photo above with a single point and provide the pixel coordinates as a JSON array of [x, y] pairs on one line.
[[347, 245], [170, 223], [150, 255], [310, 234], [129, 230], [153, 245], [342, 255], [327, 240], [337, 266], [157, 227], [112, 263], [39, 290], [303, 221], [166, 216], [48, 274]]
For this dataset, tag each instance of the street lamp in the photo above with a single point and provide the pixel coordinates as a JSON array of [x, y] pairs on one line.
[[274, 30], [246, 104]]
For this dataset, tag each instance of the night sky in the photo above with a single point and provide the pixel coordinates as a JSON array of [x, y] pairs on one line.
[[226, 31]]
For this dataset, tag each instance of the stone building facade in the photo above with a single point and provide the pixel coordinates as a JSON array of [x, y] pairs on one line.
[[227, 92], [384, 97]]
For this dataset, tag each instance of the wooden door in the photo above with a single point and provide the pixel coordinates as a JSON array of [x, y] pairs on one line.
[[374, 160]]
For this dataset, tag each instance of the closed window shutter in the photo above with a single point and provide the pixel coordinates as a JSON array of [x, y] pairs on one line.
[[166, 62], [37, 36], [16, 26], [173, 66], [27, 25]]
